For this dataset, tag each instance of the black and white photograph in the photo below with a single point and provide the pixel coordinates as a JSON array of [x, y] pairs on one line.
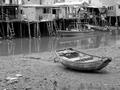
[[59, 44]]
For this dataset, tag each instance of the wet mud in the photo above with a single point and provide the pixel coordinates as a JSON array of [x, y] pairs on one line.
[[33, 66]]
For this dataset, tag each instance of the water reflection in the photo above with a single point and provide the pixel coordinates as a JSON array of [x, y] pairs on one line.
[[86, 41], [36, 45]]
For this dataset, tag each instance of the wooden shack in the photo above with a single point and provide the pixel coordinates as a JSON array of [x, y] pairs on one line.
[[35, 12], [9, 12]]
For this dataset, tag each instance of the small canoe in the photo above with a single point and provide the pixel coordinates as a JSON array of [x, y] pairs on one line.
[[81, 61]]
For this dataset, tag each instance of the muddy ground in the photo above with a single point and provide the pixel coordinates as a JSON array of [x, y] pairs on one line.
[[38, 71]]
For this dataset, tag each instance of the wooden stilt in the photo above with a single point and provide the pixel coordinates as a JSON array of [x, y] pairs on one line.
[[34, 29], [20, 29], [52, 28], [38, 30], [110, 21], [30, 45], [23, 28], [38, 46], [21, 44], [29, 31], [2, 28], [64, 26], [118, 22], [49, 27], [7, 29]]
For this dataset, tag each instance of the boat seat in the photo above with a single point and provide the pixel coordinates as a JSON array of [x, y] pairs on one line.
[[70, 55]]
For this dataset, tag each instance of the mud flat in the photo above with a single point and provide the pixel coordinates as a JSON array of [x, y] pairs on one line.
[[38, 71]]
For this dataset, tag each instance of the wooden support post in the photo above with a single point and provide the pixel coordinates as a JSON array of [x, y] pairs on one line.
[[29, 31], [7, 29], [2, 12], [30, 45], [118, 21], [116, 24], [38, 30], [34, 24], [110, 21], [64, 25], [52, 29], [23, 28], [20, 29], [2, 27]]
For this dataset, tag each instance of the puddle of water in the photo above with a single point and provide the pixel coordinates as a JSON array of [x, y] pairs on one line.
[[36, 45]]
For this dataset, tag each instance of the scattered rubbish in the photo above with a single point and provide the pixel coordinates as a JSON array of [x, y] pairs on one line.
[[18, 75], [45, 78], [27, 79], [13, 79], [56, 60], [28, 88], [55, 85], [5, 89], [0, 80]]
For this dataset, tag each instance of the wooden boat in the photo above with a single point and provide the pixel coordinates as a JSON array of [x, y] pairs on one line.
[[81, 61], [99, 28], [72, 32]]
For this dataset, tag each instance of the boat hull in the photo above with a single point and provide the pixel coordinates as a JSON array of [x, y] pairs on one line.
[[91, 63], [71, 33], [91, 66]]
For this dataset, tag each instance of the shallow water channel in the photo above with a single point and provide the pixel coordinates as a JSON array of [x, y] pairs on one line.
[[36, 45]]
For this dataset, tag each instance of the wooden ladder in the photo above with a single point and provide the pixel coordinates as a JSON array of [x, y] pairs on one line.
[[50, 28], [56, 28], [10, 30]]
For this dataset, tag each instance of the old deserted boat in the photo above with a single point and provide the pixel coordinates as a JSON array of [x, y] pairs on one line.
[[81, 61], [99, 28], [73, 32]]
